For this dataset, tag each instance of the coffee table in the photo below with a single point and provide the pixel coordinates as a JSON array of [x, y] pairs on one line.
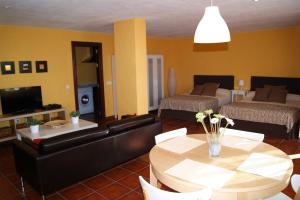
[[47, 132], [226, 177]]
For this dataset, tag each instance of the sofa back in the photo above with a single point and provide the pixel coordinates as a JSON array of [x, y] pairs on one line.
[[71, 139], [61, 142], [130, 123]]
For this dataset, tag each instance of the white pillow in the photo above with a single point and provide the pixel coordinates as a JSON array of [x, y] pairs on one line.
[[223, 91], [250, 95], [293, 97]]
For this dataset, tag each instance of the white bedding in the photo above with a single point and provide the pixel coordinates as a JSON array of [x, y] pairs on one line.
[[223, 96], [196, 103]]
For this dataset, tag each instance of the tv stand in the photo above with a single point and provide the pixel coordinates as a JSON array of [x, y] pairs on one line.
[[47, 115]]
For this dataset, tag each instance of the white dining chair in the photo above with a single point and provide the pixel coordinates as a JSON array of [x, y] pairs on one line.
[[295, 182], [153, 193], [243, 134], [170, 134]]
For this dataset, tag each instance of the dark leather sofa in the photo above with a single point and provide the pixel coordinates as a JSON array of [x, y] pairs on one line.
[[60, 161]]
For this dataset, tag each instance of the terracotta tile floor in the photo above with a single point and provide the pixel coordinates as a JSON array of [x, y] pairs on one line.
[[120, 182]]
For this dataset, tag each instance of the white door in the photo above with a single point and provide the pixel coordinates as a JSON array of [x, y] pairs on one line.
[[155, 79]]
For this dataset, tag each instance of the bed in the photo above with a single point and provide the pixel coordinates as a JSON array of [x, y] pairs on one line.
[[185, 106], [275, 120]]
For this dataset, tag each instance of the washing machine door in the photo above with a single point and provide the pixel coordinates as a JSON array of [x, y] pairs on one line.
[[85, 100]]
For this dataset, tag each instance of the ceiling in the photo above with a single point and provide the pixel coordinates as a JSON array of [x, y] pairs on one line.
[[166, 18]]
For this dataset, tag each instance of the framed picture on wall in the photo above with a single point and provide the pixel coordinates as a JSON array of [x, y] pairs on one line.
[[8, 67], [41, 66], [25, 67]]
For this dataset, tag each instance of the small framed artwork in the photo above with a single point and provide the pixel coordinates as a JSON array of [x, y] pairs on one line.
[[41, 66], [7, 67], [25, 67]]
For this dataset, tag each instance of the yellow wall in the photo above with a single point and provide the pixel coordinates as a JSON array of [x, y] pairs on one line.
[[131, 66], [87, 73], [54, 45], [265, 53]]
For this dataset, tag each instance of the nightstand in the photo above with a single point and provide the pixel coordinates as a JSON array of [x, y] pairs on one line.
[[236, 93]]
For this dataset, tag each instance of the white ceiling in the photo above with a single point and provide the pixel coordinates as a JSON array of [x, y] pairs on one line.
[[164, 17]]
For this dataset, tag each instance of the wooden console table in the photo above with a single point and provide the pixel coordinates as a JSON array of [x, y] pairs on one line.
[[46, 114]]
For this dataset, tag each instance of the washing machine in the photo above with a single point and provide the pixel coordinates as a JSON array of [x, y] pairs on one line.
[[85, 100]]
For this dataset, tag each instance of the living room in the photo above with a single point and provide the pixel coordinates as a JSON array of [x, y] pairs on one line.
[[261, 44]]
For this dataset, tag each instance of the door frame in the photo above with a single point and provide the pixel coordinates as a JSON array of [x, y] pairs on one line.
[[100, 78]]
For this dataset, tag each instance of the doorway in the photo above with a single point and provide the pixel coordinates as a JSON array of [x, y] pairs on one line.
[[155, 80], [88, 80]]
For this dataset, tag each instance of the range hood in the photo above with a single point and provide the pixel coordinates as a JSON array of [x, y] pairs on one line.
[[92, 57]]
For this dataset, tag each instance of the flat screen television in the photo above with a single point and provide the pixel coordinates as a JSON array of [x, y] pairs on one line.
[[21, 100]]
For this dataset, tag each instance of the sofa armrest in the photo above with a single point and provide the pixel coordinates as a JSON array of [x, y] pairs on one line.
[[135, 142], [25, 148], [26, 162]]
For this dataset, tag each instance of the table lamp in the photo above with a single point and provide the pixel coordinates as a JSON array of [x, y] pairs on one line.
[[241, 84]]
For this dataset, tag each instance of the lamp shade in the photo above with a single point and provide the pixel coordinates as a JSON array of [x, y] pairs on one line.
[[212, 28], [241, 83]]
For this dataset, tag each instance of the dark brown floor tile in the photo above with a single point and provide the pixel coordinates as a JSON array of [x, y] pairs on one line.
[[98, 182], [16, 181], [55, 197], [145, 173], [93, 196], [132, 196], [144, 158], [8, 168], [32, 195], [113, 191], [6, 188], [131, 181], [14, 197], [289, 191], [75, 192], [273, 142], [117, 173], [139, 190], [135, 165]]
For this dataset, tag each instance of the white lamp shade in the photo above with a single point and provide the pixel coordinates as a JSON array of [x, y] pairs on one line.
[[241, 83], [212, 28]]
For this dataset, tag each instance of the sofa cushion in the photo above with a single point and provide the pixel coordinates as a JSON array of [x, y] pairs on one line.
[[278, 95], [130, 123], [71, 139], [210, 89], [198, 89], [261, 94]]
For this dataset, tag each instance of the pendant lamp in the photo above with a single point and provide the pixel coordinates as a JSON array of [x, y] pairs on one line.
[[212, 28]]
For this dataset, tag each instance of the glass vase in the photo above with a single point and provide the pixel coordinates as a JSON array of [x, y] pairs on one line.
[[214, 144]]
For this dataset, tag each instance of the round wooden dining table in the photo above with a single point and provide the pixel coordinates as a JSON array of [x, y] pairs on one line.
[[238, 184]]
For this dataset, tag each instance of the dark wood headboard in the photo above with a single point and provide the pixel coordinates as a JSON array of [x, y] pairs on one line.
[[226, 82], [292, 84]]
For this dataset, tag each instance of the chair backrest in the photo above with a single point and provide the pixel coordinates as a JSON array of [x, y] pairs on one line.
[[295, 182], [243, 134], [153, 193], [170, 134]]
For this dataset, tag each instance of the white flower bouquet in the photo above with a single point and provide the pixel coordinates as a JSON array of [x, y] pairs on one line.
[[214, 134]]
